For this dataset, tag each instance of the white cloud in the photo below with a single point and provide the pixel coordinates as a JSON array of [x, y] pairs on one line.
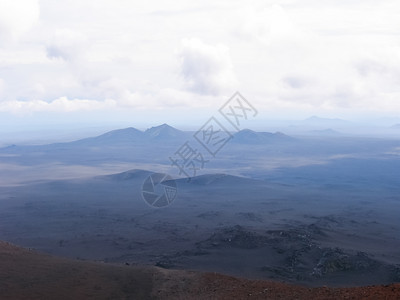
[[62, 104], [319, 55], [68, 45], [206, 69], [1, 87], [266, 24], [123, 98], [17, 17]]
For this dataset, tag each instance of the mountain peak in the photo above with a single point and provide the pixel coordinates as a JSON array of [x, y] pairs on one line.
[[163, 131], [122, 132], [249, 137], [246, 135], [126, 135]]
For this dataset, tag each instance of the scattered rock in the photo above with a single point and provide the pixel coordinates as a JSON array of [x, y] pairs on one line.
[[236, 237], [336, 260], [249, 216]]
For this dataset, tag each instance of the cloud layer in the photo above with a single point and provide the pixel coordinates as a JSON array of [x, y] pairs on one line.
[[313, 56], [16, 18], [206, 69]]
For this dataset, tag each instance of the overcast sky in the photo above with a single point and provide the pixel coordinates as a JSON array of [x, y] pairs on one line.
[[155, 61]]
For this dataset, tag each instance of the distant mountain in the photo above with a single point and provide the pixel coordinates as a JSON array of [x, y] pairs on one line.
[[127, 175], [325, 122], [133, 135], [205, 179], [218, 179], [127, 135], [318, 119], [325, 132], [247, 136], [163, 132], [122, 133]]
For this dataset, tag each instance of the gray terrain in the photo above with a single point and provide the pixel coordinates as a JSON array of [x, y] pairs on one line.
[[316, 209]]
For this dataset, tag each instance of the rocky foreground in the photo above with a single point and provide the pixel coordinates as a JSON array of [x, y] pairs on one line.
[[27, 274]]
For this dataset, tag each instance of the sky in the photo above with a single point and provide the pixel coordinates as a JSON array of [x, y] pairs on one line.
[[70, 64]]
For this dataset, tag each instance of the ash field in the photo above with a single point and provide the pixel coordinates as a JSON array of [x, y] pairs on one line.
[[316, 209]]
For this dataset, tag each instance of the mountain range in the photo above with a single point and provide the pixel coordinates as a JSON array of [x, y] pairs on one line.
[[162, 134], [247, 136]]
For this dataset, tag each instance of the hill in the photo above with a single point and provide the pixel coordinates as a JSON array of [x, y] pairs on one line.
[[126, 135], [27, 274], [163, 132], [247, 136]]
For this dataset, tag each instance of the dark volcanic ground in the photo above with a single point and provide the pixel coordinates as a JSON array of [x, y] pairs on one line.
[[27, 274], [238, 226]]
